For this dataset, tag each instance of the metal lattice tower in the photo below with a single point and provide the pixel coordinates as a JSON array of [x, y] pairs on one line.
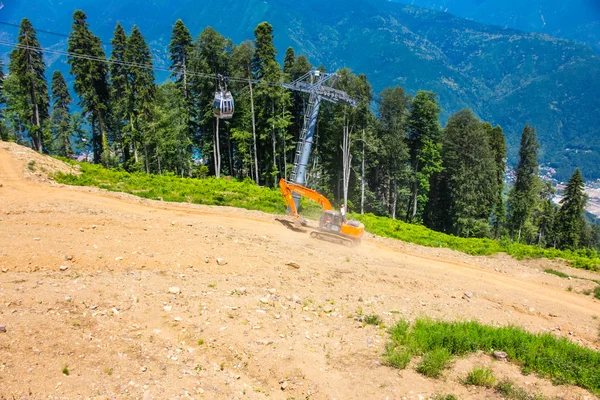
[[313, 83]]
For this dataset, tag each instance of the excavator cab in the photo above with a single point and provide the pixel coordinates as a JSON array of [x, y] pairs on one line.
[[331, 221]]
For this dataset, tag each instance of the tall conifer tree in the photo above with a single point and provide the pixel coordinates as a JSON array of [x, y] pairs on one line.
[[471, 174], [289, 60], [88, 66], [4, 134], [140, 91], [180, 50], [498, 146], [118, 93], [523, 195], [28, 68], [61, 118], [424, 139], [571, 217]]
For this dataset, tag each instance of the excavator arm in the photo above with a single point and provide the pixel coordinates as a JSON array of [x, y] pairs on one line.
[[288, 187]]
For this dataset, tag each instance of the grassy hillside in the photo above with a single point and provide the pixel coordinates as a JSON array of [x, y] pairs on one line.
[[506, 76], [245, 194]]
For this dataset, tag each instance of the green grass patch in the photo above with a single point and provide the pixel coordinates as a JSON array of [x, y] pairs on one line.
[[508, 390], [65, 370], [372, 319], [480, 377], [555, 272], [550, 357], [597, 292], [434, 362], [168, 187], [395, 229]]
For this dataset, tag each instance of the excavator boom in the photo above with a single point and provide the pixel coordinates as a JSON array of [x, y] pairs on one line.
[[288, 187]]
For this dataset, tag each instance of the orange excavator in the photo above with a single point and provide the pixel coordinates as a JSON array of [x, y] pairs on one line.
[[332, 226]]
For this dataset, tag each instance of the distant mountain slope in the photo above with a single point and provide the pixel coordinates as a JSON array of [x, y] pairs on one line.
[[506, 76], [577, 20]]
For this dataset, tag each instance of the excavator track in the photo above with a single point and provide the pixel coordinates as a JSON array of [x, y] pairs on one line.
[[330, 237]]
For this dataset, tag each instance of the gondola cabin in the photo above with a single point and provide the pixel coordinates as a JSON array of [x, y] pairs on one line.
[[223, 105]]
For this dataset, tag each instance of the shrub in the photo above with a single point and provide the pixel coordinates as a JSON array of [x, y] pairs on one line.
[[398, 358], [434, 362], [480, 377], [372, 319]]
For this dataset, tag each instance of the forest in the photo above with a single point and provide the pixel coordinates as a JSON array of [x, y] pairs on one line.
[[388, 156]]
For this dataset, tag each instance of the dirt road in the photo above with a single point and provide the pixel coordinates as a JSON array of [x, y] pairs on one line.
[[127, 295]]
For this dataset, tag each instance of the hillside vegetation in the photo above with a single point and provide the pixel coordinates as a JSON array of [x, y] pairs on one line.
[[245, 194], [577, 20], [507, 77]]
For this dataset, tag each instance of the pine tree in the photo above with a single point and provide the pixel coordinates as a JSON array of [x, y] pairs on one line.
[[86, 58], [498, 146], [211, 55], [424, 138], [393, 151], [273, 105], [140, 91], [571, 215], [180, 50], [61, 118], [168, 131], [523, 196], [4, 133], [119, 116], [289, 61], [265, 49], [471, 174], [241, 67], [545, 217], [27, 65]]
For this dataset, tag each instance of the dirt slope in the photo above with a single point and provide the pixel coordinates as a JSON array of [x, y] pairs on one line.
[[253, 327]]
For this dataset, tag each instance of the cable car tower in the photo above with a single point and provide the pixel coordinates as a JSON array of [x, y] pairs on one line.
[[313, 83]]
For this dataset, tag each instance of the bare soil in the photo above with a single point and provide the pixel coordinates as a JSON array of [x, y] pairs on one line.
[[127, 295]]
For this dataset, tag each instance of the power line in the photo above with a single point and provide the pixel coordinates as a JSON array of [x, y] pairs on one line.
[[129, 64], [37, 30]]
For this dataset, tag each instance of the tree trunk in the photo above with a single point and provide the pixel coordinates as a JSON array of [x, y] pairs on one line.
[[38, 132], [254, 135], [229, 151], [362, 176], [413, 203], [146, 158], [37, 137], [284, 152], [395, 199], [103, 138], [274, 142], [217, 151], [135, 153], [346, 159]]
